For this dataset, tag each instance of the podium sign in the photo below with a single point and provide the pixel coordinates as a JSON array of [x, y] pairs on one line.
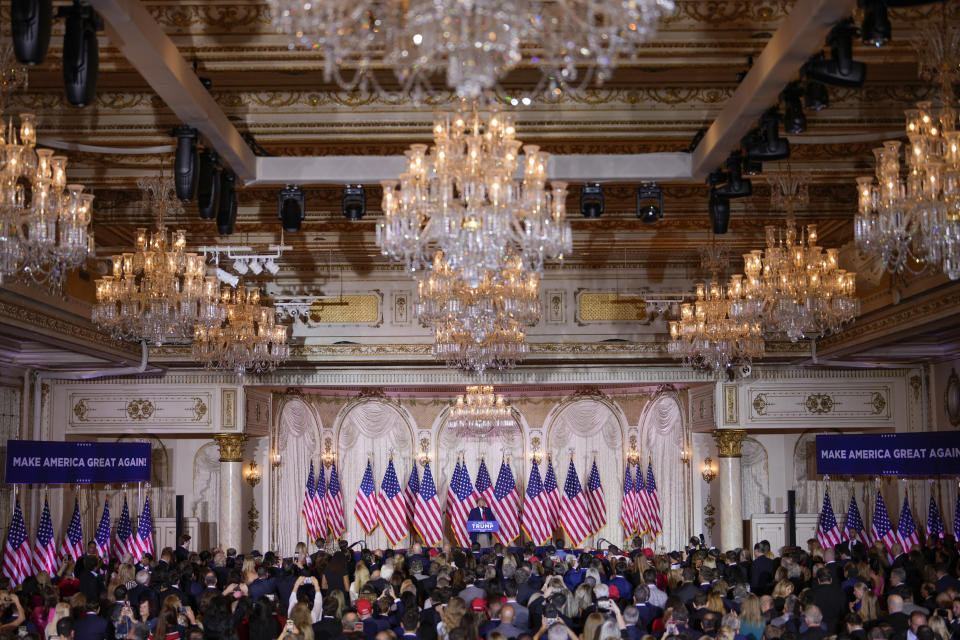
[[482, 526]]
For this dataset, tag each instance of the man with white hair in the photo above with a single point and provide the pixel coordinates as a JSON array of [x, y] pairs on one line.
[[813, 619]]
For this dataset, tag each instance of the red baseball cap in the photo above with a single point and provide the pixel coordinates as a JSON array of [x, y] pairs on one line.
[[364, 607], [478, 604]]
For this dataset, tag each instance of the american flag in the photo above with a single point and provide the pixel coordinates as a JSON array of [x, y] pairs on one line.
[[45, 547], [506, 504], [536, 510], [411, 492], [16, 561], [426, 517], [956, 518], [574, 512], [551, 492], [320, 502], [598, 506], [854, 529], [643, 503], [906, 528], [102, 536], [143, 541], [653, 503], [484, 487], [934, 521], [391, 506], [309, 509], [628, 504], [72, 545], [880, 528], [334, 503], [828, 532], [461, 498], [365, 507], [123, 542]]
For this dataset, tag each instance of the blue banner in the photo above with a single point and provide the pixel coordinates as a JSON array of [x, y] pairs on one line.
[[43, 462], [890, 454], [483, 526]]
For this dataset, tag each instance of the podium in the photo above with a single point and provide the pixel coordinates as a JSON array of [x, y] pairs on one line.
[[484, 530]]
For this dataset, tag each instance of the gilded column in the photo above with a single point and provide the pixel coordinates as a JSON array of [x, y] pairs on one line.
[[230, 522], [729, 443]]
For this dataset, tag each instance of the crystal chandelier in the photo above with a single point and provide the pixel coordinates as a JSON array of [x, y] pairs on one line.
[[480, 414], [718, 330], [912, 222], [158, 291], [475, 237], [797, 287], [43, 220], [471, 44], [482, 327], [245, 336]]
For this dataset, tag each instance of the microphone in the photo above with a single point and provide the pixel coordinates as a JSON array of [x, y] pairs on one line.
[[355, 544]]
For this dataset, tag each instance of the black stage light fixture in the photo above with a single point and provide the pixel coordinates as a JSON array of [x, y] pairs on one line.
[[81, 56], [227, 211], [186, 164], [816, 97], [875, 28], [649, 203], [769, 145], [30, 24], [591, 200], [731, 183], [752, 167], [354, 203], [794, 119], [719, 214], [841, 69], [291, 208], [208, 187]]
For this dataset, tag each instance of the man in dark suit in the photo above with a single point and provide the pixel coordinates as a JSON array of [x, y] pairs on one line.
[[410, 623], [646, 612], [90, 582], [853, 624], [813, 618], [481, 512], [328, 627], [896, 618], [634, 629], [687, 589], [761, 570], [945, 580], [264, 584], [90, 626], [830, 599]]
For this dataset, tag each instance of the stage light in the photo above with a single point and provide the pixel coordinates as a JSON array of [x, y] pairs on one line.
[[354, 202], [768, 145], [291, 208], [227, 211], [227, 278], [649, 203], [794, 119], [752, 167], [719, 214], [841, 69], [816, 97], [271, 267], [81, 56], [255, 267], [240, 266], [208, 187], [30, 23], [731, 184], [591, 200], [875, 28], [185, 165]]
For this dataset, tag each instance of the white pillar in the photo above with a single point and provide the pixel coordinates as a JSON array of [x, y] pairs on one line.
[[230, 520], [729, 442]]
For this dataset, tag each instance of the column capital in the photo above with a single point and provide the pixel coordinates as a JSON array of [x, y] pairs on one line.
[[729, 442], [231, 446]]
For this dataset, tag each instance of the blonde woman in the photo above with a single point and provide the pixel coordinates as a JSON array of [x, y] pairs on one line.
[[751, 619], [361, 576], [299, 626], [450, 617], [591, 625], [715, 603], [782, 589], [61, 611]]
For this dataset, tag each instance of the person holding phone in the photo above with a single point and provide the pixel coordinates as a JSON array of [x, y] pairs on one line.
[[11, 611], [299, 626]]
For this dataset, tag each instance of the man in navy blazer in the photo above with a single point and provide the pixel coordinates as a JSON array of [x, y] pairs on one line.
[[481, 512], [90, 626]]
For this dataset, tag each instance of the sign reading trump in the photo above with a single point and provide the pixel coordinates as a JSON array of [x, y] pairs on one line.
[[44, 462], [889, 454]]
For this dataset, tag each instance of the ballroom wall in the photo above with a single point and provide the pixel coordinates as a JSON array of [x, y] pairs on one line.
[[589, 413]]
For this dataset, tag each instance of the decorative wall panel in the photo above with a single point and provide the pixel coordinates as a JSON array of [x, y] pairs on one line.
[[188, 409]]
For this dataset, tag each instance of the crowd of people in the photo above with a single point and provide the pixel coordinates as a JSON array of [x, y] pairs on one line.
[[528, 593]]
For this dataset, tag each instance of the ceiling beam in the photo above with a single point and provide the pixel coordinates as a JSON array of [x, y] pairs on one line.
[[799, 37], [134, 31]]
